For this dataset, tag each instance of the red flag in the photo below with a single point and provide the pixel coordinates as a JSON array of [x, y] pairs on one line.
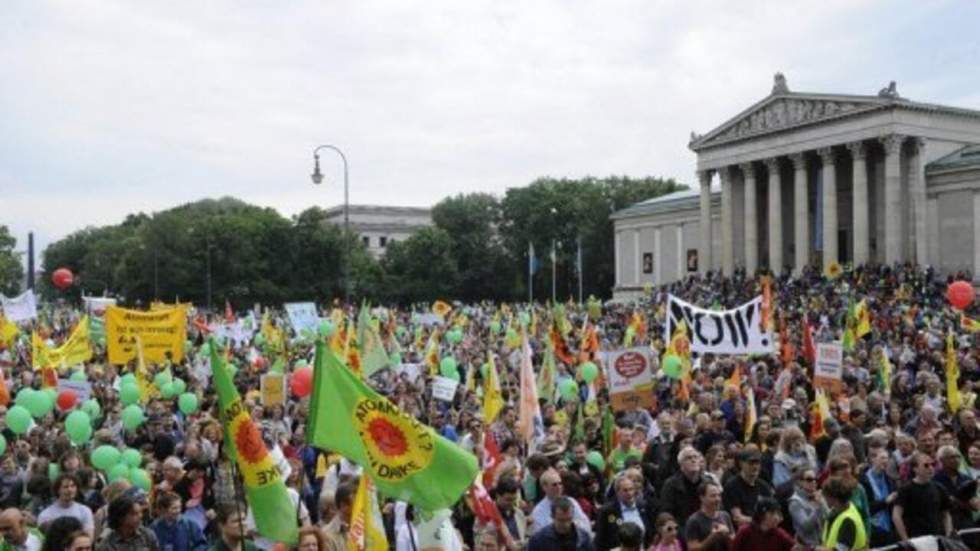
[[229, 314], [492, 458], [201, 324], [809, 350], [486, 512], [561, 347], [766, 304]]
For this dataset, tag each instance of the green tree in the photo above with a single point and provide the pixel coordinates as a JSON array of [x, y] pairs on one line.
[[11, 271], [421, 268]]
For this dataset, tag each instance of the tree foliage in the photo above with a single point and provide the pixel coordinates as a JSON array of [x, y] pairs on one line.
[[11, 271]]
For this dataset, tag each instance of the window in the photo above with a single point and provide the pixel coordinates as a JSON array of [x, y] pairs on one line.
[[382, 241], [366, 240]]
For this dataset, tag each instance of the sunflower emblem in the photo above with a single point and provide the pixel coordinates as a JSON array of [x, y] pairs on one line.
[[397, 445], [833, 270]]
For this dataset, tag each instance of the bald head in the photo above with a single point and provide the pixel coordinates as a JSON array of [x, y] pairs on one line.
[[12, 526]]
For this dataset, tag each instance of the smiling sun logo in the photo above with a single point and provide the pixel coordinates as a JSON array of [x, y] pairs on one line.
[[397, 445]]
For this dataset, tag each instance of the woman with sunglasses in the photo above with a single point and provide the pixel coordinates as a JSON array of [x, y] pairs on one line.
[[666, 538], [806, 508]]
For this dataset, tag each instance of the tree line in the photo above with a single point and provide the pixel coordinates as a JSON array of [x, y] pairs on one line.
[[476, 249]]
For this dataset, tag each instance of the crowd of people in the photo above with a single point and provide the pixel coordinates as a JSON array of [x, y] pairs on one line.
[[697, 471]]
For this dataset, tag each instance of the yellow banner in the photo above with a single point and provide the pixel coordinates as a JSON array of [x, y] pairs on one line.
[[75, 350], [160, 332]]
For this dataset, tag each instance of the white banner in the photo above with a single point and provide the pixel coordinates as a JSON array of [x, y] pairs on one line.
[[96, 306], [302, 315], [444, 388], [735, 331], [20, 308]]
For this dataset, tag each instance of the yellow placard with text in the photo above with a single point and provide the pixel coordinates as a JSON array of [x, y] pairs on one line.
[[161, 332]]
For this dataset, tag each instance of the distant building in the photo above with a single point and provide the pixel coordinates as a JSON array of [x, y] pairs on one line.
[[379, 226]]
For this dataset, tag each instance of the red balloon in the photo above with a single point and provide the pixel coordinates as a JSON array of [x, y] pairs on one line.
[[67, 399], [259, 363], [62, 278], [301, 383], [960, 294]]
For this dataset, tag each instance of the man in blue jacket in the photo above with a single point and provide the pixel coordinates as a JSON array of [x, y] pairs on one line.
[[172, 530]]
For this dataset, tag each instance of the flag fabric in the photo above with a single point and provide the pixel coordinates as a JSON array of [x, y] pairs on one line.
[[352, 354], [486, 512], [590, 343], [76, 349], [819, 412], [751, 416], [765, 320], [4, 392], [493, 400], [406, 458], [367, 529], [809, 348], [265, 490], [735, 380], [492, 458], [680, 346], [373, 354], [530, 424], [559, 345], [532, 260], [953, 399], [146, 388], [547, 377], [969, 325], [850, 327], [441, 308], [8, 332], [431, 355], [884, 372], [863, 319], [608, 432]]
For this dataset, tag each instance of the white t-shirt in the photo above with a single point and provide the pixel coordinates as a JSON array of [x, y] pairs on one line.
[[76, 509]]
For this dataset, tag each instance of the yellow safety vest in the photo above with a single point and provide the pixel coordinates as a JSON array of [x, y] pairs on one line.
[[832, 530]]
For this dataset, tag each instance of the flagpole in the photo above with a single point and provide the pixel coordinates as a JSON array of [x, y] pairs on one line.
[[530, 272], [554, 271], [579, 262]]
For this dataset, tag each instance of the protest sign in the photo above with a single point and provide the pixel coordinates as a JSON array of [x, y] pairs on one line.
[[273, 387], [828, 370], [444, 388], [302, 315], [735, 331], [630, 377], [410, 371], [96, 306], [161, 332], [82, 389], [20, 308]]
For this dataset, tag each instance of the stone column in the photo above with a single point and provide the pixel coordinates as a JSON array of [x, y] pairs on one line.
[[704, 254], [637, 259], [727, 233], [862, 243], [775, 216], [893, 198], [917, 188], [751, 220], [828, 176], [801, 213]]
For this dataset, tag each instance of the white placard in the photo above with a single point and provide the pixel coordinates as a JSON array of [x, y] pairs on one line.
[[444, 388], [96, 306], [412, 371], [20, 308], [82, 389], [302, 315], [735, 331], [829, 361], [630, 375]]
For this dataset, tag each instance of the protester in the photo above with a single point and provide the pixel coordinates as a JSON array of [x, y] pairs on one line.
[[562, 532]]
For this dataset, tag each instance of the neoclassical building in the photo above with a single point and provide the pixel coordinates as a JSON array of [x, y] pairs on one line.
[[808, 179]]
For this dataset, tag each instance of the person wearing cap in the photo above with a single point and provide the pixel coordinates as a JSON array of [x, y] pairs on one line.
[[764, 533], [743, 491]]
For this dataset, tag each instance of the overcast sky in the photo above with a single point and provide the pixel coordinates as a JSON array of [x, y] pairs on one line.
[[113, 107]]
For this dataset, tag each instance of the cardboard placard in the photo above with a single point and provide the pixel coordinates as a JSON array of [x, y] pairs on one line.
[[828, 371], [273, 389], [630, 375], [444, 388]]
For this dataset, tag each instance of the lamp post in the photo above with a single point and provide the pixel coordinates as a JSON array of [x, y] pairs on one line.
[[207, 238], [317, 178]]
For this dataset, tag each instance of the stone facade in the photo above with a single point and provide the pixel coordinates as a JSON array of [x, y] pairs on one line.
[[804, 179], [378, 226]]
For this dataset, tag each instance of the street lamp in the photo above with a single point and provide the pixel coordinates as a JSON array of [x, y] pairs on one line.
[[317, 178], [207, 239]]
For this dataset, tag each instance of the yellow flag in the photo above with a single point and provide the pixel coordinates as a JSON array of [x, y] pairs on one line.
[[432, 352], [76, 349], [146, 388], [493, 401], [8, 331], [161, 331], [366, 532], [441, 308], [953, 399], [863, 319]]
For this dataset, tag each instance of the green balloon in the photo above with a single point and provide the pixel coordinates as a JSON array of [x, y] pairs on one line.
[[447, 366], [118, 471], [78, 376], [595, 459], [568, 390], [494, 327], [81, 437], [454, 376], [672, 366], [455, 336], [39, 404], [169, 390], [232, 370], [524, 318], [399, 331], [187, 403], [206, 349], [129, 393], [132, 457], [512, 334], [140, 479], [396, 358], [105, 457], [179, 386], [54, 470], [132, 417], [188, 346], [326, 328], [162, 379], [259, 339], [589, 372], [92, 408], [3, 444], [129, 378], [76, 424], [23, 396], [18, 419], [51, 393]]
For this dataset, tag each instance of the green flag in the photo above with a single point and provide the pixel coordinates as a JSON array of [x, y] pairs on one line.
[[274, 512], [406, 459], [548, 374], [373, 355]]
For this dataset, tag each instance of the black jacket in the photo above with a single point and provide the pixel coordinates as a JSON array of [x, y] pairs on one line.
[[608, 519]]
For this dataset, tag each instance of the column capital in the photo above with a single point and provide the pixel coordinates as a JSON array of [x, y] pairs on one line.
[[725, 174], [918, 142], [892, 143], [772, 164], [858, 150], [798, 160], [704, 176], [747, 169], [826, 155]]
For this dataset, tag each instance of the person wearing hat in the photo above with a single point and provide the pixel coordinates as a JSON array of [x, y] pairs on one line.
[[743, 491], [764, 533]]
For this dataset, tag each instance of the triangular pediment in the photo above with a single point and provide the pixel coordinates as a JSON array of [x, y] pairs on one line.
[[786, 111]]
